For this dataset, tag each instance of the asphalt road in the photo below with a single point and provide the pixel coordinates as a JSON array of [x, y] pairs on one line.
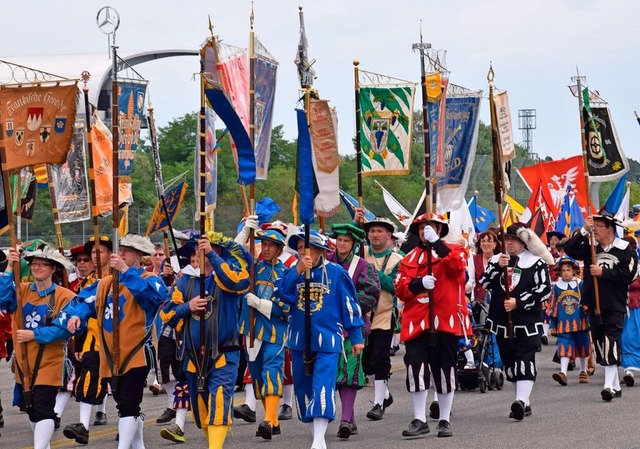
[[563, 417]]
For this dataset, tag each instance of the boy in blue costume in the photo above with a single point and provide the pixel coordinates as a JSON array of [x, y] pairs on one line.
[[334, 308], [211, 371], [270, 319]]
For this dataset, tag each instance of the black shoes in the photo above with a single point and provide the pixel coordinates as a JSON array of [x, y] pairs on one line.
[[544, 340], [377, 412], [166, 416], [416, 429], [286, 413], [56, 423], [444, 429], [527, 411], [628, 379], [101, 419], [607, 394], [517, 410], [245, 413], [275, 430], [345, 430], [434, 410], [77, 432], [265, 430]]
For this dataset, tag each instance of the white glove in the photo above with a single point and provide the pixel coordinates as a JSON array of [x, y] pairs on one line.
[[251, 222], [429, 282], [429, 234], [261, 305]]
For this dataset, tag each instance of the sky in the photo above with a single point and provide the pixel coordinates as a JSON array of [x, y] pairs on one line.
[[535, 48]]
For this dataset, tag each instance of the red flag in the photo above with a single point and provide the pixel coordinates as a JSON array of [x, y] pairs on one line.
[[558, 175], [541, 208]]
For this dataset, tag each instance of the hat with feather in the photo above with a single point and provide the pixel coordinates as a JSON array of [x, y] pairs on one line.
[[531, 241]]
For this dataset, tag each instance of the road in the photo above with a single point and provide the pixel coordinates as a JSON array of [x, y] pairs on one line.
[[563, 417]]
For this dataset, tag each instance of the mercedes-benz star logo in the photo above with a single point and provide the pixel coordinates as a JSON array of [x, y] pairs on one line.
[[108, 20]]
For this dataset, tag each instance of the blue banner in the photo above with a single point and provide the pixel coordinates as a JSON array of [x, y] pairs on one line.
[[246, 158], [460, 124], [307, 187], [352, 204], [482, 218], [265, 86], [173, 199], [130, 116]]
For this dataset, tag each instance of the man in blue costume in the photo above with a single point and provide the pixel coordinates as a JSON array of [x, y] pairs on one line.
[[266, 355], [333, 308], [211, 371]]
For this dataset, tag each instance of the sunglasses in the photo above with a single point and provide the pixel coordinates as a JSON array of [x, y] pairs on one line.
[[83, 259]]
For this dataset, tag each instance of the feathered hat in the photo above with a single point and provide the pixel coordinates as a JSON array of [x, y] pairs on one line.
[[48, 253], [139, 243], [531, 241], [435, 218]]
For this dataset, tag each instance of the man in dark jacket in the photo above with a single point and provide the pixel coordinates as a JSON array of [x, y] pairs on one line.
[[615, 268]]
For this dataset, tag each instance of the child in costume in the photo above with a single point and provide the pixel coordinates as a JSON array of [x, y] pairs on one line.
[[569, 319]]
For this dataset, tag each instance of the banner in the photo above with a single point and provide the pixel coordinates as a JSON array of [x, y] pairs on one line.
[[306, 184], [386, 124], [211, 165], [482, 217], [173, 199], [505, 130], [222, 106], [605, 158], [102, 160], [69, 181], [28, 190], [38, 123], [326, 160], [265, 74], [130, 117], [352, 205], [461, 126], [234, 74], [397, 210], [558, 175], [4, 216]]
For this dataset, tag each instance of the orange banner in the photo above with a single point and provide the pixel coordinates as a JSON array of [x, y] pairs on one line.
[[323, 136], [38, 124], [103, 172]]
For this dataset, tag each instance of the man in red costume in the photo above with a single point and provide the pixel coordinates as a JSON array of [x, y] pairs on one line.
[[433, 271]]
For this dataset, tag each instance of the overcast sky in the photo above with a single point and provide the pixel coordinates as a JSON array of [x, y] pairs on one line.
[[534, 46]]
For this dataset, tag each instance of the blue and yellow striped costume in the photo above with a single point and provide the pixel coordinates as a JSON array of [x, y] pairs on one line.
[[230, 276], [267, 369]]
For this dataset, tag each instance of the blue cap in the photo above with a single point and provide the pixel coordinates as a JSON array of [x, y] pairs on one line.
[[315, 238]]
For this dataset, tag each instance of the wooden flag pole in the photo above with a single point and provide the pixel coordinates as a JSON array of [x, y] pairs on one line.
[[585, 168], [252, 187], [115, 130], [498, 185], [92, 174]]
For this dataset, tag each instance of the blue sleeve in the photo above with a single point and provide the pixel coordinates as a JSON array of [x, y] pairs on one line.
[[233, 275], [8, 300], [148, 291], [286, 288], [175, 308]]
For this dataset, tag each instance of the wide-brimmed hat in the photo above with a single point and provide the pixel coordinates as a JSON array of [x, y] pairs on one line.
[[103, 240], [48, 253], [558, 234], [435, 218], [139, 243], [380, 221], [271, 235], [566, 260], [315, 238], [347, 229], [608, 219]]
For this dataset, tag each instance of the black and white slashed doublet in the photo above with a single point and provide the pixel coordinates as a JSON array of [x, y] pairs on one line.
[[529, 284]]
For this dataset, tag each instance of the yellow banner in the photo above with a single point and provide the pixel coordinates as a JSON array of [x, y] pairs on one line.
[[38, 124], [434, 86]]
